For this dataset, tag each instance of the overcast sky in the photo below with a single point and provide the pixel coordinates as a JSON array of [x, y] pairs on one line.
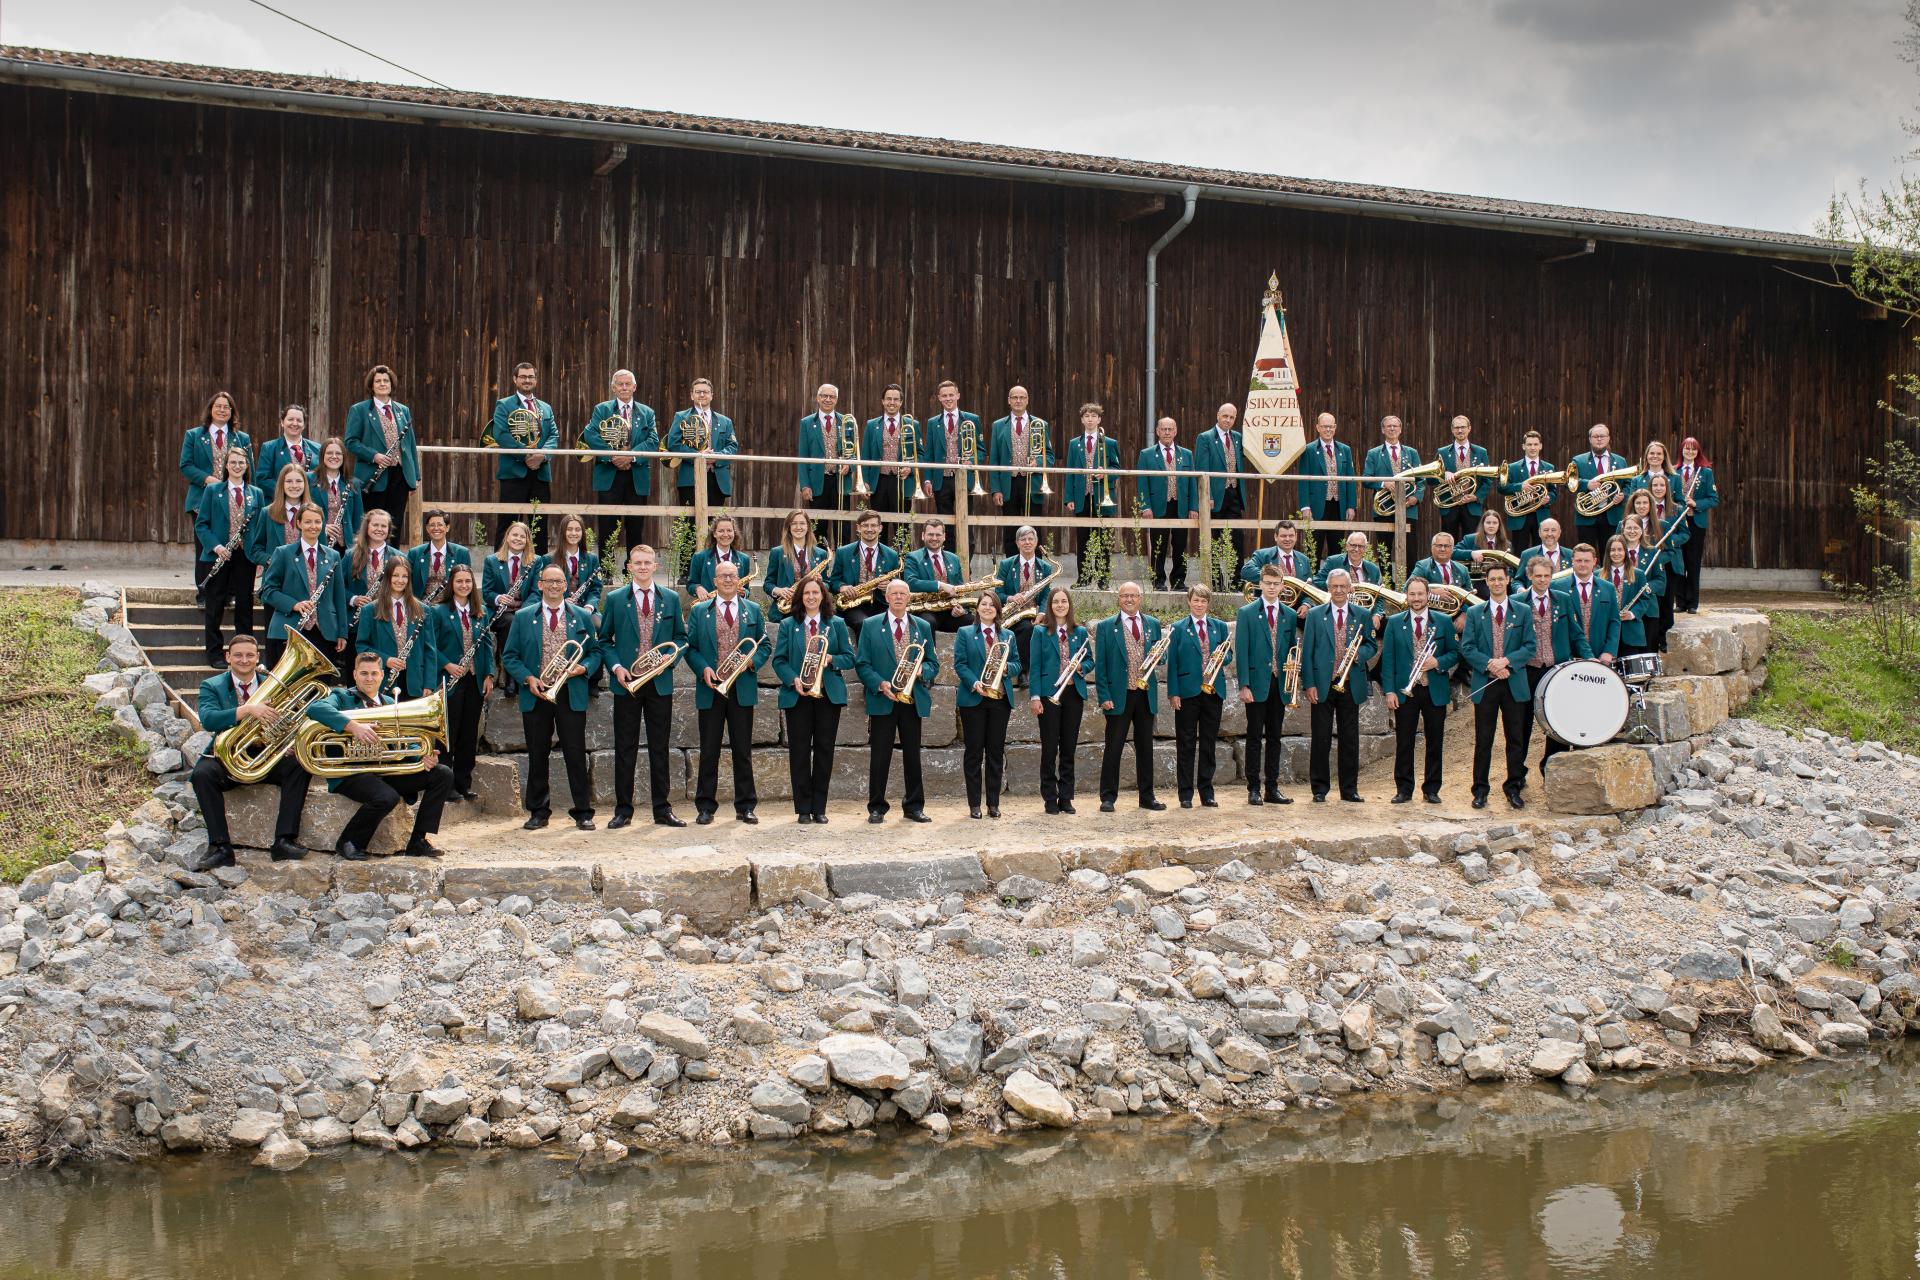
[[1734, 111]]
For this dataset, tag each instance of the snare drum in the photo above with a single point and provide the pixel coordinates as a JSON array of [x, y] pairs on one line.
[[1582, 703], [1639, 668]]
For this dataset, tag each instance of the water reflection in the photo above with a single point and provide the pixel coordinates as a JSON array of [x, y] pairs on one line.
[[1809, 1169]]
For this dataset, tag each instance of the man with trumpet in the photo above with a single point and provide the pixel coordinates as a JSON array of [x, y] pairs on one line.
[[1387, 459], [1197, 669], [379, 794], [551, 650], [1267, 662], [1336, 646], [826, 434], [1418, 649], [1128, 648], [642, 620], [226, 700], [1087, 490], [896, 662], [1019, 441], [891, 439], [726, 647], [955, 438], [522, 421]]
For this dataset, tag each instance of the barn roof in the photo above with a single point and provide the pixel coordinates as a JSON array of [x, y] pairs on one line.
[[331, 96]]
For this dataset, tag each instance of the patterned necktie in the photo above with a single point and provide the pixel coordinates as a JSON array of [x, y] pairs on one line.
[[513, 570], [1273, 639], [1135, 620], [436, 565], [1339, 631], [1586, 608], [939, 566], [312, 582], [245, 691], [989, 637], [869, 572], [1168, 450], [1499, 631], [813, 626]]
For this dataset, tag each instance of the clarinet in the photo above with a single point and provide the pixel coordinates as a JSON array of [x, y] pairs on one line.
[[319, 587], [231, 543], [406, 650]]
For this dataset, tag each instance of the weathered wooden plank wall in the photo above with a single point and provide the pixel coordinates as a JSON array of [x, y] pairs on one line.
[[150, 252]]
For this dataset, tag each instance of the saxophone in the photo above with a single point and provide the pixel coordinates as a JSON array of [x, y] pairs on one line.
[[860, 593], [1020, 606], [793, 594]]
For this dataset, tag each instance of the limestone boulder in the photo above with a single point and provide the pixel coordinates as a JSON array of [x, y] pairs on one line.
[[1615, 778]]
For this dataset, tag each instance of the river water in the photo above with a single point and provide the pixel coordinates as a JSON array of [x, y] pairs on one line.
[[1808, 1171]]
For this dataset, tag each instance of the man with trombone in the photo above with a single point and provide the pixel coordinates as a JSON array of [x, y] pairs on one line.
[[1168, 496], [955, 439], [826, 436], [891, 439], [1020, 442], [551, 650], [1089, 496]]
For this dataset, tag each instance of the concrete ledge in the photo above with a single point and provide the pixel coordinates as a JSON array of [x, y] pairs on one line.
[[780, 880]]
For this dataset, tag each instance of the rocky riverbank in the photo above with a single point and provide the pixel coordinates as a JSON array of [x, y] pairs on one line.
[[1765, 907]]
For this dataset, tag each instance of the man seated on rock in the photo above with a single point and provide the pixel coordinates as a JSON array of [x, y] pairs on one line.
[[223, 705], [379, 795]]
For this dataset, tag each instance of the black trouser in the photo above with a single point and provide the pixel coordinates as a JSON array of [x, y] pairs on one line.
[[812, 726], [1527, 536], [1196, 734], [983, 729], [231, 581], [1232, 507], [211, 782], [946, 619], [1059, 742], [1088, 508], [1328, 511], [519, 489], [1168, 552], [1665, 613], [464, 705], [1386, 538], [857, 616], [1594, 533], [902, 721], [893, 493], [1135, 715], [1264, 752], [1338, 711], [393, 500], [1684, 591], [542, 724], [655, 710], [1458, 521], [834, 497], [1025, 501], [943, 496], [379, 796], [501, 624], [684, 493], [632, 529], [1023, 645], [1497, 704], [1424, 709], [727, 715]]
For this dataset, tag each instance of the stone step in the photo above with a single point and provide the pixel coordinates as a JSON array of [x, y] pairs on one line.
[[153, 635], [179, 614]]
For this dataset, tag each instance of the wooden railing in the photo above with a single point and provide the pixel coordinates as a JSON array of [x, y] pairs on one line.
[[970, 512]]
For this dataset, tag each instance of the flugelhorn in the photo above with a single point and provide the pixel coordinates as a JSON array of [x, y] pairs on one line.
[[1604, 491], [407, 734], [813, 666], [555, 674], [647, 667], [1393, 494], [736, 664], [993, 672], [1210, 670], [906, 672]]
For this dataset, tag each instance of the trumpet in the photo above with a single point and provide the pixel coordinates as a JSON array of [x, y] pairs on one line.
[[1070, 669], [1535, 492], [1462, 486], [813, 666], [963, 595], [1153, 659], [736, 664], [1378, 596], [1344, 667], [1604, 491], [1210, 670], [862, 592], [850, 454], [407, 733], [1292, 669], [1396, 493], [1020, 606], [555, 674], [970, 454], [647, 667], [1419, 676], [907, 671], [993, 673]]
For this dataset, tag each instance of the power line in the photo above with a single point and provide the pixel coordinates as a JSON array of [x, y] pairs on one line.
[[418, 75]]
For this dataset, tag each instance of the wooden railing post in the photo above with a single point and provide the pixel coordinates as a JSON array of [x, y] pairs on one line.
[[700, 512], [1203, 511], [962, 534]]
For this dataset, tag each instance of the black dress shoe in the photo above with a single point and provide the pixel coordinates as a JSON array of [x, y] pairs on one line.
[[974, 812], [1106, 806], [288, 851], [1208, 802], [1187, 803], [804, 819], [1052, 810], [1401, 797], [534, 822], [618, 821], [422, 848], [1515, 800], [668, 820], [1253, 797], [993, 811], [583, 824], [749, 819], [915, 815], [703, 820], [1277, 798], [1154, 806], [348, 851], [1319, 797], [876, 818], [820, 819], [217, 855], [1432, 798], [1066, 806], [1352, 797], [1479, 802], [468, 796]]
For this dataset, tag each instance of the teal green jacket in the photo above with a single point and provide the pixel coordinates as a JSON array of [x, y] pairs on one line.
[[1476, 647], [701, 568], [897, 487], [523, 651], [1044, 658], [1011, 585], [197, 461], [917, 569], [782, 570], [353, 503], [790, 650], [267, 535], [584, 583], [1367, 570], [1379, 462], [970, 660], [1585, 467], [1312, 469], [1073, 489], [812, 442], [1515, 481], [1151, 491], [1256, 656], [513, 465], [946, 448], [366, 436], [703, 649], [212, 528], [1706, 495], [1294, 564], [1602, 627], [849, 571], [219, 699], [497, 579], [723, 443], [1210, 453], [1110, 662], [277, 453], [1643, 588], [874, 661], [284, 587], [1317, 656], [330, 710], [449, 641], [620, 632], [1449, 455], [1397, 650], [420, 560], [374, 633], [1000, 453], [1186, 662], [1453, 573], [643, 437]]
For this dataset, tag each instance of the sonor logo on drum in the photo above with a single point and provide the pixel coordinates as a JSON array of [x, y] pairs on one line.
[[1581, 677]]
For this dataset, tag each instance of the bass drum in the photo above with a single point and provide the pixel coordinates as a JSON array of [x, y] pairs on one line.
[[1582, 703]]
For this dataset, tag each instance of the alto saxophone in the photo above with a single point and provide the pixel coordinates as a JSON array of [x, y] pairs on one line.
[[793, 595], [1020, 606]]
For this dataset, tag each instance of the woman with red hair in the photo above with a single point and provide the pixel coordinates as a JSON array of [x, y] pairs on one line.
[[1694, 481]]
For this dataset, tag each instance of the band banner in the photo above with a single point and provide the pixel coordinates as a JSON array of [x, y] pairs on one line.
[[1272, 431]]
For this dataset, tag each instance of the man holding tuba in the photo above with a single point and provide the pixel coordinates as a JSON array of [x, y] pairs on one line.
[[824, 482], [551, 649], [380, 794], [951, 430], [1597, 461], [1389, 458], [522, 421], [1520, 490], [727, 644], [635, 620], [896, 662], [227, 700]]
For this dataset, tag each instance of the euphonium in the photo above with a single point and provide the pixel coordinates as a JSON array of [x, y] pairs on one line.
[[1604, 491], [907, 671], [1461, 486], [1293, 590], [970, 454], [408, 731], [648, 666], [993, 672], [813, 666], [1535, 492], [251, 749], [1378, 596], [861, 592], [736, 664], [1506, 558], [554, 675], [1391, 495]]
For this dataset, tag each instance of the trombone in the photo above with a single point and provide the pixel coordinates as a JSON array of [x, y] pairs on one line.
[[850, 455], [910, 453], [1101, 474], [970, 454]]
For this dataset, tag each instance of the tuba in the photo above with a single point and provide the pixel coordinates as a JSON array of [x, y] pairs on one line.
[[970, 454], [1604, 491], [648, 666], [1394, 495], [1462, 486], [907, 671], [251, 749], [1535, 491], [736, 664], [555, 674], [813, 666], [408, 731], [993, 673]]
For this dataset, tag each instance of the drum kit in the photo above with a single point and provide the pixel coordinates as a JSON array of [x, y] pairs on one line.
[[1585, 703]]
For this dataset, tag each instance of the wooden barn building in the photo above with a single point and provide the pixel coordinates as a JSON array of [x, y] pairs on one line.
[[168, 229]]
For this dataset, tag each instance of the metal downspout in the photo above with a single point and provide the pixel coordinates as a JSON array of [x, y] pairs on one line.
[[1192, 194]]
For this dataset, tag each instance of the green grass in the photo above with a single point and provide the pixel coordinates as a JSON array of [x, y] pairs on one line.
[[65, 776], [1823, 672]]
